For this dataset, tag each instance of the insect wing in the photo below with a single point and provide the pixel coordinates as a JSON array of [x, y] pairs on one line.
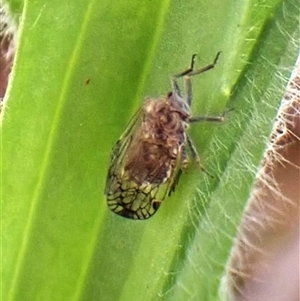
[[125, 196], [119, 153]]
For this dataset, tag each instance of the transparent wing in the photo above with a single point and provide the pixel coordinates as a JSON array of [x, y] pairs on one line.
[[125, 196]]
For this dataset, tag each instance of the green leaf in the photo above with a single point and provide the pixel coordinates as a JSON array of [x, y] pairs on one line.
[[81, 70]]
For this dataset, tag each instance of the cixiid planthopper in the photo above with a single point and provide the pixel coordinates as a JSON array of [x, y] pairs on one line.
[[148, 159]]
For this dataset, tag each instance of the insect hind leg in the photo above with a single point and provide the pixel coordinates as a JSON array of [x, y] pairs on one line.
[[195, 155]]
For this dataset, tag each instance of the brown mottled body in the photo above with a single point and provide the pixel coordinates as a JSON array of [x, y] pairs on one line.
[[157, 142], [148, 159], [155, 151]]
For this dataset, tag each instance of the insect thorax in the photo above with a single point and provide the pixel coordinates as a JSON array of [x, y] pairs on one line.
[[158, 143]]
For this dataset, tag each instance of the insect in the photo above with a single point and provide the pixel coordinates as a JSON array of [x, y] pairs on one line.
[[148, 160]]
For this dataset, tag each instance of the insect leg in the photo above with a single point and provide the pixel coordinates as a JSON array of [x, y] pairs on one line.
[[206, 68], [175, 87], [195, 155], [188, 90], [181, 74], [189, 70], [211, 118], [194, 152]]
